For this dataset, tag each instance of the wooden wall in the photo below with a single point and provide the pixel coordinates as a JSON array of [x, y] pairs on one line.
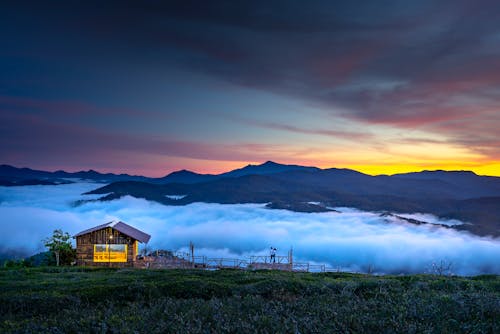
[[85, 247]]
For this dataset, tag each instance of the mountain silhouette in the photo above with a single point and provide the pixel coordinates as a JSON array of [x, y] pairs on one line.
[[461, 195]]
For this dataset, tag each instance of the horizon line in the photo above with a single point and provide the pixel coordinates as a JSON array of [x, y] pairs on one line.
[[359, 170]]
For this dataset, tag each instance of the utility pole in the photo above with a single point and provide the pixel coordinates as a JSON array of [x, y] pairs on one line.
[[191, 249], [109, 249]]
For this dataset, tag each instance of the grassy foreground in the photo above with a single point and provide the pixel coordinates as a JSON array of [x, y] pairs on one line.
[[71, 300]]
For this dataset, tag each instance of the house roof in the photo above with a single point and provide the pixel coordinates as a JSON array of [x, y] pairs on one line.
[[121, 227]]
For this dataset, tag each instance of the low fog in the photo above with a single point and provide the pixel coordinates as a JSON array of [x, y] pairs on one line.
[[350, 240]]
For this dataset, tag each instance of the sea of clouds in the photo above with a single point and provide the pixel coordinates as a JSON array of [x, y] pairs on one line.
[[351, 240]]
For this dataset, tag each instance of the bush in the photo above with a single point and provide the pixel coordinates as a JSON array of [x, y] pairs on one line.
[[72, 299]]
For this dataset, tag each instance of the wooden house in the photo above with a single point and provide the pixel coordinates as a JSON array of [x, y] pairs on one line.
[[114, 244]]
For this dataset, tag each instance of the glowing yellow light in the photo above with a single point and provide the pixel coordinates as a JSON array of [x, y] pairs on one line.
[[110, 253]]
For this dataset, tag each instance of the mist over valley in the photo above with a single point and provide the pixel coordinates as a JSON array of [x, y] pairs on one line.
[[243, 215]]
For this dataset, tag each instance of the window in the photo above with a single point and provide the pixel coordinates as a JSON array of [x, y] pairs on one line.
[[110, 253]]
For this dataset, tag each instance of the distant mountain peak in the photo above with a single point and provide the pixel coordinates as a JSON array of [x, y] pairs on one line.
[[268, 167], [186, 176], [182, 171], [438, 173]]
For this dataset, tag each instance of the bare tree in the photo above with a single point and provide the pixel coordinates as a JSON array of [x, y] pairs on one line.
[[442, 267]]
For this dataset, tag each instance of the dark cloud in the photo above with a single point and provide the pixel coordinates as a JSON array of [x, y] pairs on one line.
[[32, 137], [349, 135], [57, 109], [422, 64], [377, 63]]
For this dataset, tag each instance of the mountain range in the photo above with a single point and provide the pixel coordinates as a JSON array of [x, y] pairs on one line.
[[461, 195]]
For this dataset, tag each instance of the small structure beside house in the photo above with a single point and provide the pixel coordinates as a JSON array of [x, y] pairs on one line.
[[114, 244]]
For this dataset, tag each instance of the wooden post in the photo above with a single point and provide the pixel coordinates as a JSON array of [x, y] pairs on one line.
[[191, 249], [290, 258], [110, 239]]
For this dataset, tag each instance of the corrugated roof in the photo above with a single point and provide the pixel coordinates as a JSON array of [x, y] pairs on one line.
[[121, 227]]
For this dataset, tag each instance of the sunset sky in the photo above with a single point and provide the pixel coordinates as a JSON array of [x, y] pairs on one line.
[[149, 87]]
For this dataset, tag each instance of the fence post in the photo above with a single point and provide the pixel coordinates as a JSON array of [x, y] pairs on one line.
[[191, 248]]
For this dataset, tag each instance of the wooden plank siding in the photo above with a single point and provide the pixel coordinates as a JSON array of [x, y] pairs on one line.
[[85, 247]]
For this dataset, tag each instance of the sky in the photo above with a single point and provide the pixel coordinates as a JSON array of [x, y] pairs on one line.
[[150, 87], [351, 240]]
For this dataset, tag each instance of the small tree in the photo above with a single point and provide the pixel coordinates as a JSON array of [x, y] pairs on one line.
[[59, 245], [442, 268]]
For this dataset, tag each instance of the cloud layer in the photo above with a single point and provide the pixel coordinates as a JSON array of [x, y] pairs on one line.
[[171, 83], [352, 240]]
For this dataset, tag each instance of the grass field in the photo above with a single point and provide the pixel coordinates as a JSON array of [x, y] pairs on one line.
[[71, 300]]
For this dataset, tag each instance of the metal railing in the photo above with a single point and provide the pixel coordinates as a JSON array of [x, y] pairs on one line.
[[268, 259], [186, 260]]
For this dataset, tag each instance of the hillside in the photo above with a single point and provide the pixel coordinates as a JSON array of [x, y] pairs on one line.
[[450, 198], [188, 301], [13, 176], [459, 195]]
